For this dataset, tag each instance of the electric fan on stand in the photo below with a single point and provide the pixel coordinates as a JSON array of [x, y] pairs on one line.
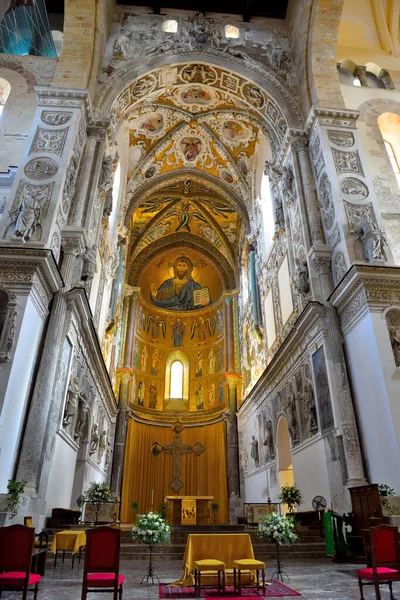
[[319, 504]]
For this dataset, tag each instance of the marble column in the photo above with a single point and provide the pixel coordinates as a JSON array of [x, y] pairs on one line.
[[230, 364], [125, 375], [232, 441]]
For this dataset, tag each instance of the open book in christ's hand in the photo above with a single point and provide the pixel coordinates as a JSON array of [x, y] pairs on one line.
[[201, 297]]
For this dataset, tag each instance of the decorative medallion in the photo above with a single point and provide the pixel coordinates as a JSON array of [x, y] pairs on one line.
[[235, 131], [253, 95], [353, 188], [334, 238], [197, 94], [191, 148], [198, 73], [326, 203], [51, 141], [41, 168], [341, 138], [226, 176], [143, 87], [51, 117], [152, 123]]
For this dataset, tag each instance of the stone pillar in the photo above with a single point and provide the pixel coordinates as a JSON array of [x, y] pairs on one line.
[[345, 188], [319, 262], [125, 377], [232, 441], [255, 293], [45, 182], [230, 365]]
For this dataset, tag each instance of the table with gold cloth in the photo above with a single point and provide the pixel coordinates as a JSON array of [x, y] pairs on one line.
[[72, 540], [226, 547]]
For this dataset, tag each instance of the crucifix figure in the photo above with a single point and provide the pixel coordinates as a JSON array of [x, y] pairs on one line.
[[177, 449]]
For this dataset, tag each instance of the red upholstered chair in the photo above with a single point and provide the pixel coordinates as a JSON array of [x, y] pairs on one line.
[[385, 555], [16, 544], [102, 562]]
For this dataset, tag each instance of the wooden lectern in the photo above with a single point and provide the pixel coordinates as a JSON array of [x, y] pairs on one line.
[[189, 510]]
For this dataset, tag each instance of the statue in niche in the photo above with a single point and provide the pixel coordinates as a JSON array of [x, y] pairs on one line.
[[254, 451], [82, 416], [309, 410], [211, 361], [141, 388], [301, 279], [199, 393], [94, 439], [199, 364], [106, 173], [121, 46], [269, 439], [373, 239], [211, 394], [71, 402], [287, 181], [279, 217], [102, 445], [177, 293], [89, 263], [272, 172], [178, 330], [108, 457], [291, 415], [154, 362], [395, 341], [153, 395], [143, 358], [26, 216]]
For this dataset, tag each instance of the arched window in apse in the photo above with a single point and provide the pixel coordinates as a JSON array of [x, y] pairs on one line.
[[176, 390]]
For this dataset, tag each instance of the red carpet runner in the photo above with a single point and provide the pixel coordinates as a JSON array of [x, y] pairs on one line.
[[275, 589]]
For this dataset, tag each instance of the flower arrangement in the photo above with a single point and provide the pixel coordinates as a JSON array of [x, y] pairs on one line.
[[98, 493], [385, 490], [291, 496], [276, 528], [151, 529]]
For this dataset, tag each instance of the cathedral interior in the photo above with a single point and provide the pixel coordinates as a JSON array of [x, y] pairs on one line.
[[200, 244]]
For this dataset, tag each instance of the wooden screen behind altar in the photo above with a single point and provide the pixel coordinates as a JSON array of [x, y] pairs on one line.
[[179, 317]]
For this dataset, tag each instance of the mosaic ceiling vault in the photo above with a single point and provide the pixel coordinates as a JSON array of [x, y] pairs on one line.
[[202, 126]]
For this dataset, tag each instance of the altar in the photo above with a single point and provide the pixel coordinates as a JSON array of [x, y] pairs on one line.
[[189, 510]]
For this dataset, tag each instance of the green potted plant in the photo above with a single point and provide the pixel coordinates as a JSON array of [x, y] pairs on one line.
[[15, 490], [277, 529], [291, 496], [215, 509], [135, 508], [98, 494], [151, 529], [163, 510]]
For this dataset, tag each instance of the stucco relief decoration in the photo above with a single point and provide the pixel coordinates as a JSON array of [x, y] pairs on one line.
[[198, 73], [51, 117], [354, 188], [315, 148], [254, 95], [347, 162], [41, 168], [8, 304], [50, 141], [341, 138], [326, 202], [339, 267], [143, 87], [141, 35], [334, 238], [235, 133], [271, 112], [362, 221], [55, 244], [319, 165], [191, 147], [197, 94], [69, 186], [29, 209]]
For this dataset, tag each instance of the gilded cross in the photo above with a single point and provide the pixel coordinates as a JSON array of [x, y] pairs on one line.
[[177, 448]]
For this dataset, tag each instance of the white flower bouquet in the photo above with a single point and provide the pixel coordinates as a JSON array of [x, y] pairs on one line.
[[97, 493], [151, 529], [277, 529]]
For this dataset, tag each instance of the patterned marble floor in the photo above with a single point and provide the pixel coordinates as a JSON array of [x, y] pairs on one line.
[[316, 580]]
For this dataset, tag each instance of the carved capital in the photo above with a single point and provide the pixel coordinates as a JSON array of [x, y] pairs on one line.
[[233, 380], [73, 243]]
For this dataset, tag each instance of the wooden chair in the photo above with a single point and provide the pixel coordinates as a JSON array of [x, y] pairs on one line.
[[101, 572], [43, 537], [16, 545], [385, 558]]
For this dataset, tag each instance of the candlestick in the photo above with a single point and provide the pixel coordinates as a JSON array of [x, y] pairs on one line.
[[152, 498], [198, 493]]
